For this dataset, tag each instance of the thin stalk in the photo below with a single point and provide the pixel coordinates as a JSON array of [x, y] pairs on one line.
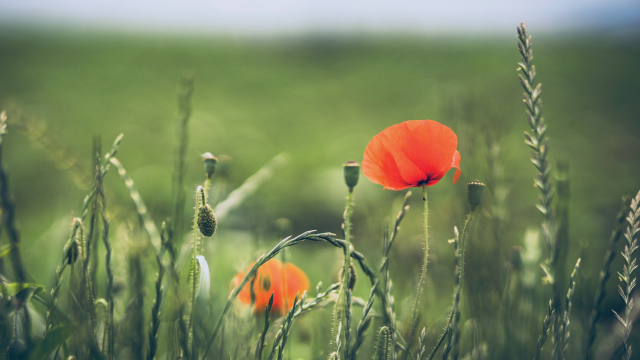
[[381, 282], [422, 347], [364, 323], [59, 271], [441, 338], [263, 335], [347, 323], [455, 333], [104, 168], [414, 317], [567, 312], [340, 315], [110, 332], [545, 330], [627, 270], [157, 304], [455, 310], [8, 215], [207, 184], [3, 130], [194, 264], [601, 293]]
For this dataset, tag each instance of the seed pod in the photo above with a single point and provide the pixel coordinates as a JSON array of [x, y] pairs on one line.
[[476, 192], [72, 253], [210, 162], [207, 222], [353, 276], [351, 174]]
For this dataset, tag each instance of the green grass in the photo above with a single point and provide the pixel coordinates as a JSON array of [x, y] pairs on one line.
[[322, 98]]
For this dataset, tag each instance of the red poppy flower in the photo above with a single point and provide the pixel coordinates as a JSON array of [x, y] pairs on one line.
[[273, 277], [411, 153]]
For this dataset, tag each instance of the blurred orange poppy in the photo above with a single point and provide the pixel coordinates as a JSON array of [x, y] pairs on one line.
[[273, 277], [412, 153]]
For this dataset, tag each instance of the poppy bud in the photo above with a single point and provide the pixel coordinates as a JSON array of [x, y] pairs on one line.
[[476, 192], [351, 282], [210, 162], [207, 222], [351, 173], [72, 253]]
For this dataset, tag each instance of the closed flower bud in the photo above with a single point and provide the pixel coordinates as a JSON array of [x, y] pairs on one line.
[[351, 282], [207, 222], [210, 162], [351, 173], [72, 253], [476, 192]]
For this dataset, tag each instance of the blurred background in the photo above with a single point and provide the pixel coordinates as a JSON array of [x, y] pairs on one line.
[[317, 80]]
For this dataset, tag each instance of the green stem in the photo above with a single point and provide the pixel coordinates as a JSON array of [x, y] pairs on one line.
[[207, 183], [463, 242], [339, 315], [345, 271], [194, 262], [423, 276]]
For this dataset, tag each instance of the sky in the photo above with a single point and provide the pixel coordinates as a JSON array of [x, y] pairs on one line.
[[291, 16]]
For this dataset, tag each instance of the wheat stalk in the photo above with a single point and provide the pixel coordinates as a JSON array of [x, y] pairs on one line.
[[627, 270]]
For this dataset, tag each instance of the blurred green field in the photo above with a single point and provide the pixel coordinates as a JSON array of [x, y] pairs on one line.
[[321, 98]]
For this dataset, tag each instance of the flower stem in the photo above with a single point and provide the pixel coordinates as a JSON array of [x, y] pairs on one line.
[[194, 262], [414, 317], [207, 183], [346, 270]]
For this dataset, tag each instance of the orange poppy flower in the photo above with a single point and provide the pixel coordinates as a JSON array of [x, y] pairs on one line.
[[412, 153], [284, 281]]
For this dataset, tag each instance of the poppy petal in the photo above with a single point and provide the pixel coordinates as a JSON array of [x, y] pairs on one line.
[[284, 282], [296, 283], [455, 163], [429, 144], [395, 138], [379, 166], [410, 153]]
